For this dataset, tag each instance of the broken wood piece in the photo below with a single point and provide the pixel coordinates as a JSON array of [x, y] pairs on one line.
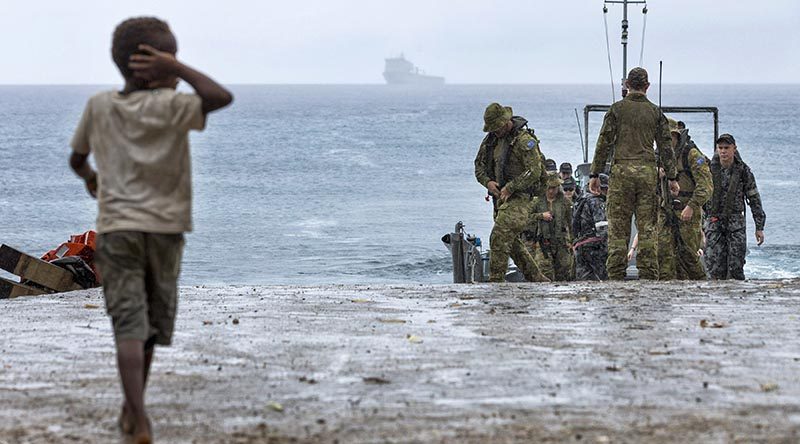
[[10, 289], [36, 270]]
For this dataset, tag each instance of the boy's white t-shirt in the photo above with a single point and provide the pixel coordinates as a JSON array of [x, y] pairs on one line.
[[140, 143]]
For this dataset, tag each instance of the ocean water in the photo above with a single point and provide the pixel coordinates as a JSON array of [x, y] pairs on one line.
[[357, 184]]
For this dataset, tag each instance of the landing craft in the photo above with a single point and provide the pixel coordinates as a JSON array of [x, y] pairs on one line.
[[470, 262]]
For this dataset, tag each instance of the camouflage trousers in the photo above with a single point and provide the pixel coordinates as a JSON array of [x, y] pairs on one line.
[[725, 252], [510, 220], [680, 263], [632, 192], [590, 262], [556, 264]]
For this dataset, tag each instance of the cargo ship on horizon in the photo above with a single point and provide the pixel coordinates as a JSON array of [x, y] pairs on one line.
[[399, 71]]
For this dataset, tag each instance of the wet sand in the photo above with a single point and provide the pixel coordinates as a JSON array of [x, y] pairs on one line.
[[596, 363]]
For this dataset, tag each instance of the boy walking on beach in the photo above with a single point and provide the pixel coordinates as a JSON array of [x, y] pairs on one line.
[[139, 137]]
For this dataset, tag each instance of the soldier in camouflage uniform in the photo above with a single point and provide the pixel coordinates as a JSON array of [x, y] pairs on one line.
[[565, 171], [590, 228], [677, 248], [552, 217], [510, 165], [726, 236], [568, 185], [630, 127]]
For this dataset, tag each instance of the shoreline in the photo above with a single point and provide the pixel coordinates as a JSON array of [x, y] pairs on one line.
[[588, 362]]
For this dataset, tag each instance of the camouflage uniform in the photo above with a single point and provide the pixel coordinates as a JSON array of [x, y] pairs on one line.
[[590, 228], [726, 238], [570, 192], [630, 127], [553, 252], [694, 178], [515, 163]]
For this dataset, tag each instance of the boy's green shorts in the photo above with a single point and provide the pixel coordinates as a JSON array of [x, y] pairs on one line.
[[140, 283]]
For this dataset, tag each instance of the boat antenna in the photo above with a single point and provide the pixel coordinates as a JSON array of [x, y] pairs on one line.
[[660, 70], [580, 133]]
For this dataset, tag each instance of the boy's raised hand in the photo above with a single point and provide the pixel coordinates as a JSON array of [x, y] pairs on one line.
[[153, 64]]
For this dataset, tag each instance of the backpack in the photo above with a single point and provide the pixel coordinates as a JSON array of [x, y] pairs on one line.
[[541, 183]]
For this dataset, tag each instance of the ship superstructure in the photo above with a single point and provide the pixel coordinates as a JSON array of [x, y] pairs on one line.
[[399, 71]]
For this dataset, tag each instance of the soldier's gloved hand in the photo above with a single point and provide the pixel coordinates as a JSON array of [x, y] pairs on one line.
[[505, 193], [494, 188], [674, 188], [687, 213], [760, 237], [594, 185]]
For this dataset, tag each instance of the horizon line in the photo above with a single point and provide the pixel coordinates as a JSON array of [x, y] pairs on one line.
[[430, 86]]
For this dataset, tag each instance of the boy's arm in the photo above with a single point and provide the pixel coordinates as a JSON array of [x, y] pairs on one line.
[[155, 64], [80, 164], [78, 160]]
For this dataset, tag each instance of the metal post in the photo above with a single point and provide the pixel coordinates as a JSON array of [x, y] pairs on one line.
[[457, 250], [716, 130], [586, 134]]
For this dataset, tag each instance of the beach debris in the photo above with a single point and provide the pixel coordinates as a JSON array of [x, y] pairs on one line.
[[91, 306], [414, 339], [705, 324], [235, 321], [612, 368], [275, 406], [208, 322], [769, 387], [583, 299], [455, 305], [658, 352], [307, 380], [375, 380], [392, 321], [359, 301]]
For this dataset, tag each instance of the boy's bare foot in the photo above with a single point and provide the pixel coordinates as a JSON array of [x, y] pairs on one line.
[[125, 422], [142, 435]]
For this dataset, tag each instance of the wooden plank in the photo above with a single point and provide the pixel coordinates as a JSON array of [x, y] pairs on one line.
[[10, 289], [36, 270]]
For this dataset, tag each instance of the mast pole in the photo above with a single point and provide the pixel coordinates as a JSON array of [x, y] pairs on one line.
[[624, 46]]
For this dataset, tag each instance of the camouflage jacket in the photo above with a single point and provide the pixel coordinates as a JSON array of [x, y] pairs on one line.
[[589, 218], [513, 161], [694, 174], [629, 128], [732, 188], [557, 231]]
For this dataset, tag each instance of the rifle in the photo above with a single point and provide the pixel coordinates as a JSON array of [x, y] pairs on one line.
[[545, 246], [670, 205]]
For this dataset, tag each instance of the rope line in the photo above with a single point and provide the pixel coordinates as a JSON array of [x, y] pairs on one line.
[[644, 30], [608, 51]]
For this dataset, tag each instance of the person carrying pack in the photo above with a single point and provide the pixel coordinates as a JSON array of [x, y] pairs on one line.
[[511, 167]]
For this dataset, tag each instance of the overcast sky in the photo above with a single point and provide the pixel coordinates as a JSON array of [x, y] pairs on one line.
[[467, 41]]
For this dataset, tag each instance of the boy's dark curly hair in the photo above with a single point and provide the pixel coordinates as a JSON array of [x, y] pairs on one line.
[[134, 31]]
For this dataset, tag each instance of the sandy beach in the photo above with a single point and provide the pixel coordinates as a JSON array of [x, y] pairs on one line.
[[596, 363]]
